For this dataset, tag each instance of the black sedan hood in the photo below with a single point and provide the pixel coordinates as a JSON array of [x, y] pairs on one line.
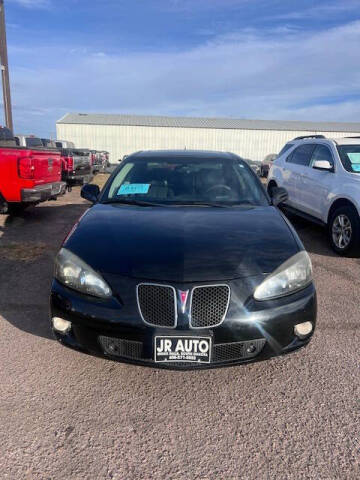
[[183, 244]]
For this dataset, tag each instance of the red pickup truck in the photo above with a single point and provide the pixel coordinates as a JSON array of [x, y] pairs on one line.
[[28, 175]]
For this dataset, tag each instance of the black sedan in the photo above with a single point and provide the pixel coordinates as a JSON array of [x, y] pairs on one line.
[[183, 261]]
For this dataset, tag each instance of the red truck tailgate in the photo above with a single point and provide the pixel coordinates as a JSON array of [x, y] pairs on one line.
[[24, 169], [46, 166]]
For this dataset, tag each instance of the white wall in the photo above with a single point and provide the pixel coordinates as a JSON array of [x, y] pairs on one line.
[[123, 140]]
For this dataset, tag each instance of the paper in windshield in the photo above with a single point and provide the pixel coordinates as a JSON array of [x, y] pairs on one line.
[[354, 158], [134, 188]]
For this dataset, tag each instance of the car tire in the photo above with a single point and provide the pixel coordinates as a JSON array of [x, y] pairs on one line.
[[344, 231]]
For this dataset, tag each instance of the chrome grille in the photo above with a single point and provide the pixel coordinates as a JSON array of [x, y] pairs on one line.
[[209, 305], [121, 347], [157, 304]]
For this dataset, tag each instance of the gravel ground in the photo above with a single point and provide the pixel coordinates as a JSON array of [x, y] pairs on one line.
[[66, 415]]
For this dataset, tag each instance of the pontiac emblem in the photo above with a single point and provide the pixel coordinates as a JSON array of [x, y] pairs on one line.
[[183, 298]]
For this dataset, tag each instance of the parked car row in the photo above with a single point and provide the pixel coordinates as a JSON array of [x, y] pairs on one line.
[[33, 170], [222, 277]]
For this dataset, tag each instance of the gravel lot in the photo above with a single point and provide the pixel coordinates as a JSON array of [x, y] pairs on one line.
[[66, 415]]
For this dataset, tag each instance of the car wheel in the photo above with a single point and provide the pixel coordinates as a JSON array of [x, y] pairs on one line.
[[344, 231]]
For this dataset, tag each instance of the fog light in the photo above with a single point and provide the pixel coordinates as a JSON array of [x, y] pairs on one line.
[[61, 325], [303, 329], [251, 349]]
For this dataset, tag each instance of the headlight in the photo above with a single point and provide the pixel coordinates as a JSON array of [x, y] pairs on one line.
[[74, 273], [293, 275]]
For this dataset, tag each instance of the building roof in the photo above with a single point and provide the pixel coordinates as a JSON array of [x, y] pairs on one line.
[[193, 122]]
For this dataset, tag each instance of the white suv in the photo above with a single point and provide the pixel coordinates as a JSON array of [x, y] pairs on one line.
[[322, 177]]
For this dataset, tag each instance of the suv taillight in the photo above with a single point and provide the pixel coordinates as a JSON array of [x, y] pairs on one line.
[[26, 167]]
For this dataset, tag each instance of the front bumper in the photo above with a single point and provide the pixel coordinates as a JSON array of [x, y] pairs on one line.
[[250, 332], [42, 193]]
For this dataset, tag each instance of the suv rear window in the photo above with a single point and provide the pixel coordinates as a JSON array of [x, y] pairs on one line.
[[6, 134], [301, 155], [6, 138], [33, 142], [81, 153], [66, 152], [350, 157]]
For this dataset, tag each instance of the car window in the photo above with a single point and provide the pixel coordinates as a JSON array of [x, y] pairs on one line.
[[321, 152], [301, 155], [186, 181], [33, 142], [285, 149], [350, 157], [80, 153], [120, 178]]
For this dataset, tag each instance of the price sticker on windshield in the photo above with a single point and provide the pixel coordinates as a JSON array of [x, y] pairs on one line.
[[134, 188], [354, 157]]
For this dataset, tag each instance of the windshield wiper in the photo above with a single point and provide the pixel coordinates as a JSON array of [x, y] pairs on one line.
[[209, 204], [215, 205], [140, 203]]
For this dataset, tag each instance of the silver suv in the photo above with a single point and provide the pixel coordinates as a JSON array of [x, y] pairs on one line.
[[322, 177]]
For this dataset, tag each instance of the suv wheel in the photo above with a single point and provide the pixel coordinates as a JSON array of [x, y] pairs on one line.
[[344, 231]]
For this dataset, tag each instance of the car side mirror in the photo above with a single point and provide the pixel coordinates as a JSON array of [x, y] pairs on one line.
[[90, 192], [323, 165], [278, 195]]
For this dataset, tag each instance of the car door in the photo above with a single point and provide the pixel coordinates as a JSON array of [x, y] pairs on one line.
[[295, 165], [316, 184]]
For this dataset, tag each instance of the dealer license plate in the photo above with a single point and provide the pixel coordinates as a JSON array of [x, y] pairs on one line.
[[182, 349]]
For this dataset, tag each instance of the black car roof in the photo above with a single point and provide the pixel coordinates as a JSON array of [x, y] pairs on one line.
[[205, 154]]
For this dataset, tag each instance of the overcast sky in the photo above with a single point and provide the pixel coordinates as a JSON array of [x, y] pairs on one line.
[[264, 59]]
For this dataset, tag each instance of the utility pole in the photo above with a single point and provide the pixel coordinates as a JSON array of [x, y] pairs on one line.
[[5, 69]]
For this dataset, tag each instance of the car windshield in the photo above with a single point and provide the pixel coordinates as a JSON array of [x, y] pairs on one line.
[[350, 157], [186, 181]]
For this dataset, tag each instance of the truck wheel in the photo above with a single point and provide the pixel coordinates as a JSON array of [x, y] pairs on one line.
[[16, 209], [344, 231]]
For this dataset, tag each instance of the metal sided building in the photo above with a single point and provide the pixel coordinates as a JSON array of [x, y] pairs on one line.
[[251, 139]]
